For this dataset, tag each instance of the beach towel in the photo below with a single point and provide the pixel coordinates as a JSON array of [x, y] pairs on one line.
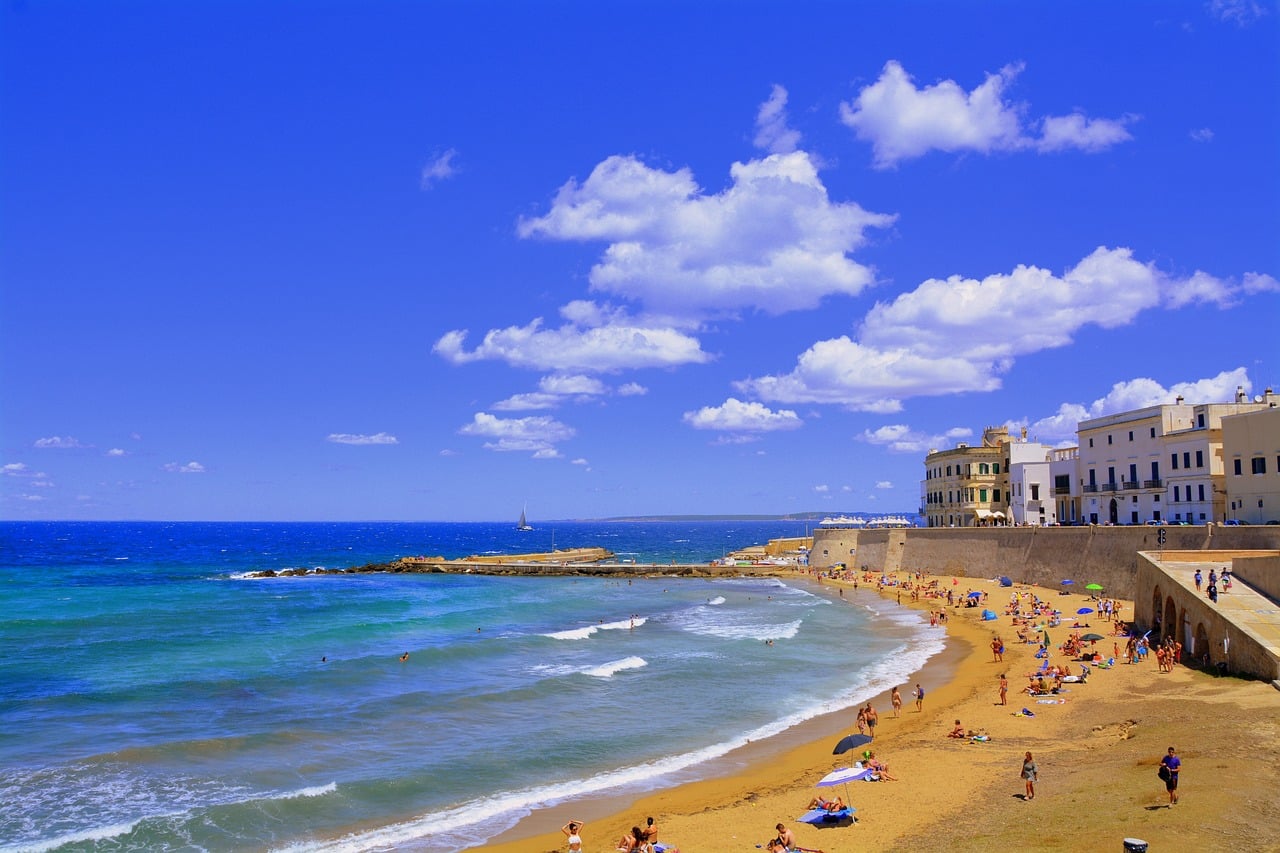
[[818, 817], [1025, 712]]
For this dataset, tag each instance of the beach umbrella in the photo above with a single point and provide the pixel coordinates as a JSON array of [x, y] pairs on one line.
[[1093, 638], [1094, 586], [848, 743], [843, 776], [975, 594], [1005, 582], [1068, 581], [1084, 610]]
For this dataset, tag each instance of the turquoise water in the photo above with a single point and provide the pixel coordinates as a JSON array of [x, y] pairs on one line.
[[152, 697]]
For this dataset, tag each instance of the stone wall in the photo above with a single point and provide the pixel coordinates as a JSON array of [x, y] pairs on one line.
[[1039, 555]]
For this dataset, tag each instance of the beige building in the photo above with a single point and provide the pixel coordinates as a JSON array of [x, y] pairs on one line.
[[1251, 459], [966, 485]]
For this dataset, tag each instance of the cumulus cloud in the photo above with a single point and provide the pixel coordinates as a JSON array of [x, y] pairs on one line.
[[117, 451], [590, 340], [554, 389], [772, 133], [736, 416], [959, 334], [536, 434], [632, 389], [58, 442], [439, 169], [773, 241], [902, 121], [884, 484], [822, 488], [14, 469], [348, 438], [1202, 134], [189, 468], [900, 438], [1138, 393]]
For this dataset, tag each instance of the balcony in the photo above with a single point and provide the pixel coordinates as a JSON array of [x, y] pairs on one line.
[[1060, 491], [1090, 488], [1110, 487], [1153, 484], [1131, 484]]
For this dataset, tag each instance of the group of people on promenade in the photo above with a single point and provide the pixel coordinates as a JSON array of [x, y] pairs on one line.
[[1212, 590]]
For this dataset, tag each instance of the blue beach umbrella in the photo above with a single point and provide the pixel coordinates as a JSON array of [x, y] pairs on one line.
[[975, 594], [1005, 582], [1084, 610], [1064, 583]]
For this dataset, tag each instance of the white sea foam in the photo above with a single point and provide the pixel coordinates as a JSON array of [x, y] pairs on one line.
[[587, 630], [717, 601], [315, 791], [608, 670], [100, 833]]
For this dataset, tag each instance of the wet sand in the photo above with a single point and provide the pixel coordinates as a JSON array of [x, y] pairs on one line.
[[1097, 753]]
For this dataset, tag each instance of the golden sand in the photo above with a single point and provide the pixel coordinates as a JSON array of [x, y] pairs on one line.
[[1097, 754]]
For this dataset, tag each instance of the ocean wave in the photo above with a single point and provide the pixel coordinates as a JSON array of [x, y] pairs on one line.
[[608, 670], [587, 630], [718, 600], [102, 833]]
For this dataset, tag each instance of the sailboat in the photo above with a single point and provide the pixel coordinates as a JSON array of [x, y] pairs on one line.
[[524, 524]]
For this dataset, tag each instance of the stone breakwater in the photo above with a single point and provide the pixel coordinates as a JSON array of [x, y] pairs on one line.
[[424, 565]]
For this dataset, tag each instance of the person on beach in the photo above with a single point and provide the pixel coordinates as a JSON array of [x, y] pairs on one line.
[[826, 805], [573, 833], [633, 842], [862, 721], [1199, 578], [919, 694], [1171, 764], [997, 650], [896, 699], [1004, 688], [872, 718], [957, 731], [784, 835], [1029, 772]]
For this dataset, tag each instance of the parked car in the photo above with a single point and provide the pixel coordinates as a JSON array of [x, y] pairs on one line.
[[1234, 522]]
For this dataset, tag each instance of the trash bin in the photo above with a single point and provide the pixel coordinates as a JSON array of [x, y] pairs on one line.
[[1135, 845]]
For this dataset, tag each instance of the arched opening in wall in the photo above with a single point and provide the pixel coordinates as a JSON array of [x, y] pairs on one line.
[[1170, 624], [1203, 655], [1156, 607], [1114, 512]]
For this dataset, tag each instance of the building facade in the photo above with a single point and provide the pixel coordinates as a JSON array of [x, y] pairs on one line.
[[1251, 459], [965, 486]]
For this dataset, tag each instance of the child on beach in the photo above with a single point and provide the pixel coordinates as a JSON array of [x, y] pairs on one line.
[[919, 698]]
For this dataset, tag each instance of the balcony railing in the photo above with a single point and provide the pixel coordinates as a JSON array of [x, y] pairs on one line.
[[1110, 487], [1091, 487], [1153, 484], [1061, 490], [1131, 484]]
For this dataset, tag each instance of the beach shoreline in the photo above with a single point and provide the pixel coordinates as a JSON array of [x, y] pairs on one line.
[[1097, 750]]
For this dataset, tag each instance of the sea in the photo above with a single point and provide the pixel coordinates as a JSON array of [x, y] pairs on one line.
[[155, 696]]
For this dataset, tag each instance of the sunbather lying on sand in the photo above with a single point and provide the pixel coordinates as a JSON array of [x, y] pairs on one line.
[[830, 805]]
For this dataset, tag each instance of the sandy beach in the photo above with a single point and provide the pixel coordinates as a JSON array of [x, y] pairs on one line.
[[1097, 752]]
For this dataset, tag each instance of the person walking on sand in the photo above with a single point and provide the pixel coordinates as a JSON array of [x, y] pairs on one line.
[[1170, 765], [1029, 772], [573, 833], [1004, 688], [896, 699], [872, 717], [919, 694]]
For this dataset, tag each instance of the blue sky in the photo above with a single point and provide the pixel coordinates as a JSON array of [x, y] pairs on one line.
[[376, 260]]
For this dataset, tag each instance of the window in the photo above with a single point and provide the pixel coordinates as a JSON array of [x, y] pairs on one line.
[[1200, 420], [1133, 517], [1091, 442], [995, 495], [1155, 470], [948, 470], [1199, 458], [1035, 491], [1177, 493], [995, 468], [1237, 467], [984, 468], [1133, 473], [1153, 432], [1200, 492], [1156, 499], [1131, 437], [1186, 459], [1259, 464], [982, 495], [1108, 438], [1173, 457]]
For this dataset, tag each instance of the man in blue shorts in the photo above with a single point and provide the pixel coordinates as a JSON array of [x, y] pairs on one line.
[[1171, 763]]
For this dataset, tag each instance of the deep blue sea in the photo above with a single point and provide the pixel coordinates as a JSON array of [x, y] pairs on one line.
[[153, 697]]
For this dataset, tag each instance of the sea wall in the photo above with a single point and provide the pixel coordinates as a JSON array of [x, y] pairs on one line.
[[1038, 555]]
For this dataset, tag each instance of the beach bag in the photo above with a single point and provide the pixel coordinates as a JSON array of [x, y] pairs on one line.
[[1163, 773]]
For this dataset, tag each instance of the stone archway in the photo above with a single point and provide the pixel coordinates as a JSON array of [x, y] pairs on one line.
[[1157, 607], [1114, 512], [1202, 653], [1169, 625]]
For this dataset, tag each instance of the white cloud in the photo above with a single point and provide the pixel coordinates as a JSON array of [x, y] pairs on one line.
[[536, 434], [961, 335], [376, 438], [587, 342], [736, 416], [822, 489], [448, 452], [1202, 134], [439, 169], [580, 461], [117, 451], [884, 484], [14, 469], [1242, 13], [554, 389], [773, 241], [900, 438], [1058, 133], [1138, 393], [902, 121], [58, 442], [632, 389], [189, 468], [772, 133]]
